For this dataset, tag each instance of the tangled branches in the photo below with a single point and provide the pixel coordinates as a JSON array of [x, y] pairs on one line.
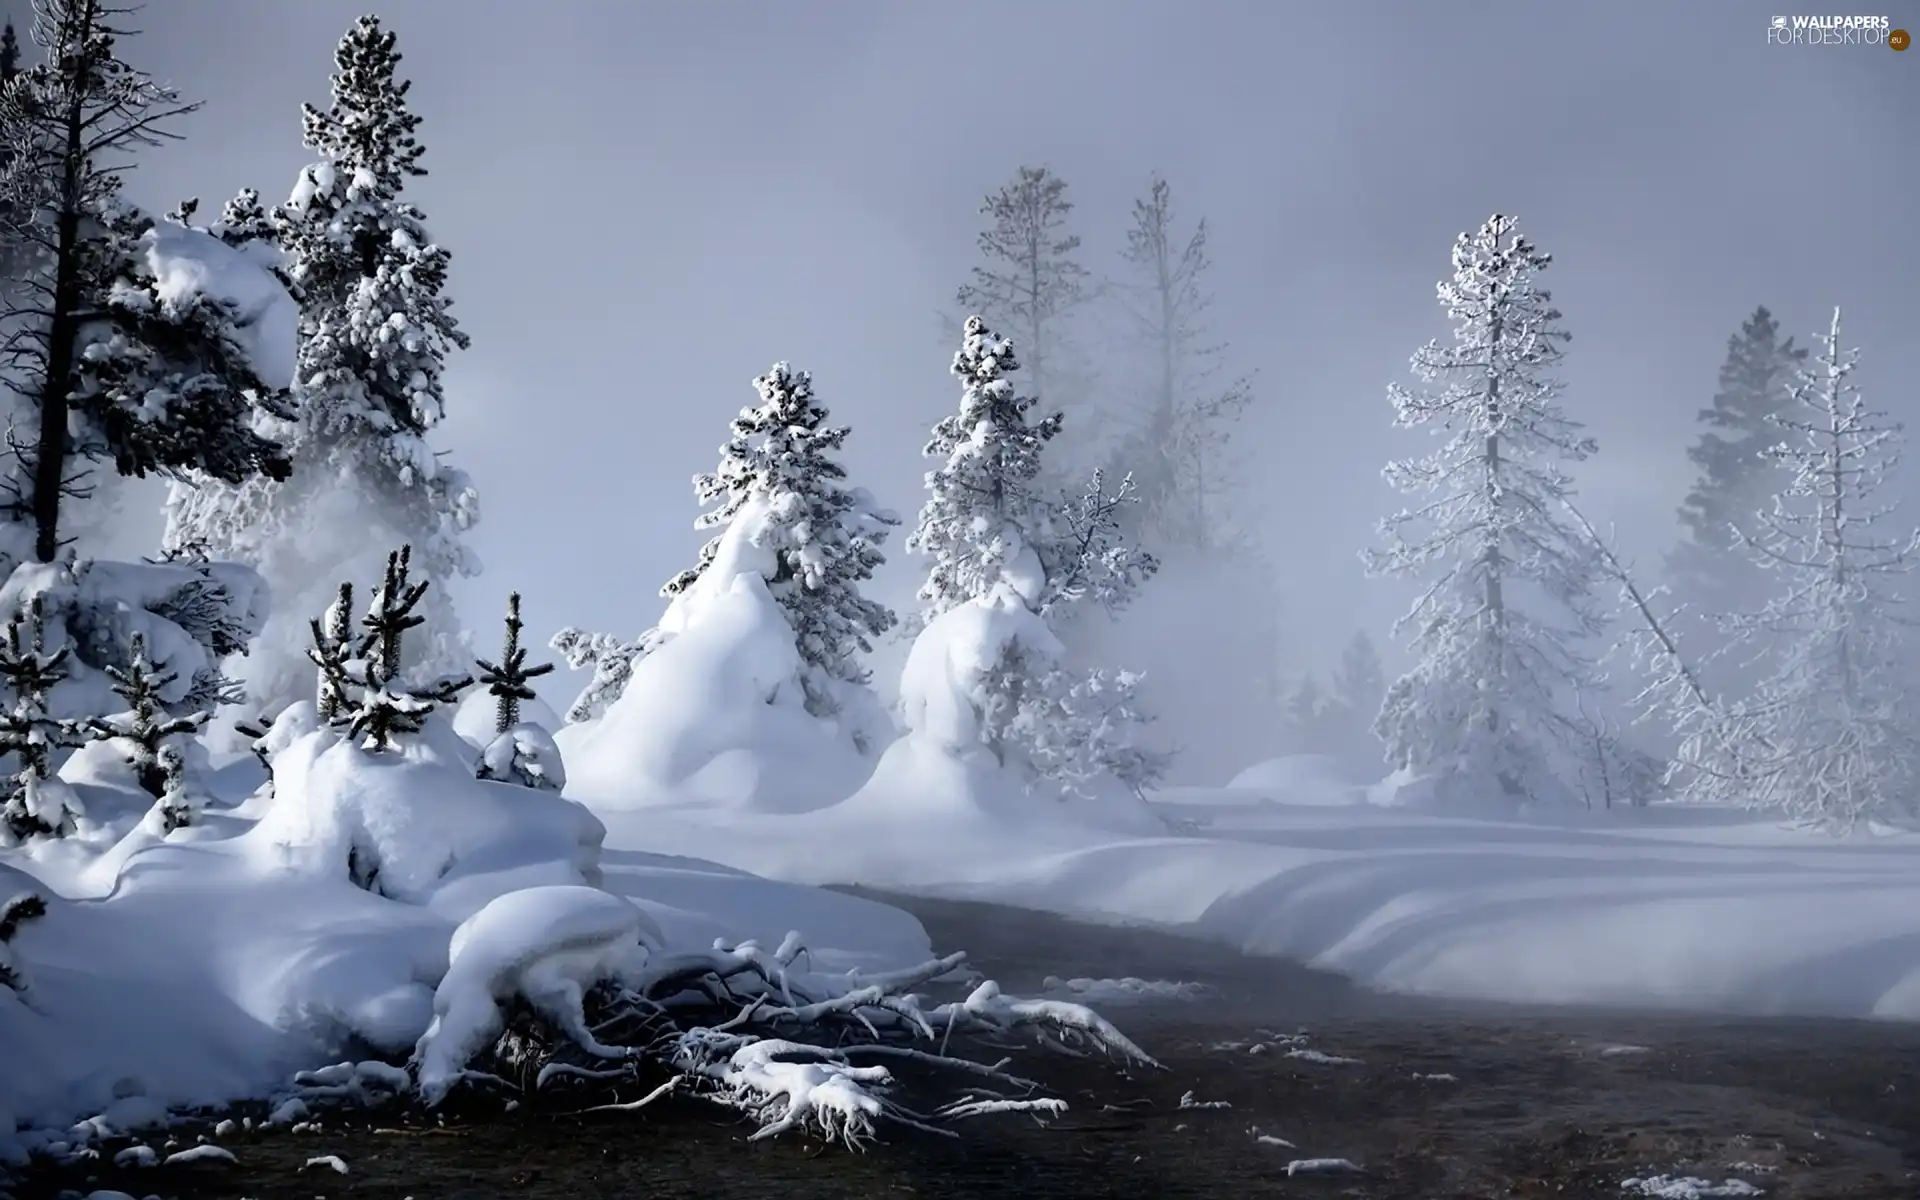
[[788, 1048]]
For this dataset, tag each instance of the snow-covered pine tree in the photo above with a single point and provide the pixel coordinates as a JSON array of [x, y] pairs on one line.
[[1508, 585], [1030, 279], [1178, 455], [111, 363], [36, 801], [510, 682], [1738, 477], [1827, 735], [376, 330], [145, 728], [824, 538], [332, 650], [985, 518], [380, 705]]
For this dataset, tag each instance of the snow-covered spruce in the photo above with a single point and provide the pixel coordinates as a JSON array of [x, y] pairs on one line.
[[375, 704], [520, 752], [1486, 709], [556, 984], [823, 538], [35, 800], [375, 330], [145, 730], [986, 515], [1826, 736]]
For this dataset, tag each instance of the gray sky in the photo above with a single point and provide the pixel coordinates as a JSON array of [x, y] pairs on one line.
[[648, 203]]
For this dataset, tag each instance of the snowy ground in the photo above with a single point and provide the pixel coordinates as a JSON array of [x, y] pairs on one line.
[[211, 965], [1701, 910]]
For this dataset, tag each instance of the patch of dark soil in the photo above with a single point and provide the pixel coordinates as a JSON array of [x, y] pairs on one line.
[[1430, 1102]]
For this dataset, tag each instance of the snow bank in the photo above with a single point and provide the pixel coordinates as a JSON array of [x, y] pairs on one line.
[[546, 945], [208, 968], [1312, 779], [189, 263], [416, 828], [714, 716], [939, 773], [1708, 914]]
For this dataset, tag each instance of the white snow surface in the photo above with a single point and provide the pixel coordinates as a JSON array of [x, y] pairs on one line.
[[1688, 910], [211, 964], [188, 263], [715, 717]]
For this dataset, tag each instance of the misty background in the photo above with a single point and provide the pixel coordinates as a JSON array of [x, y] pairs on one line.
[[649, 204]]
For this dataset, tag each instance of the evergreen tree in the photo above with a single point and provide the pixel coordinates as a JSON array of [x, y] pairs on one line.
[[332, 651], [985, 516], [1484, 707], [1178, 455], [1361, 682], [36, 801], [146, 728], [510, 682], [381, 705], [9, 55], [1827, 735], [376, 330], [1738, 474], [1030, 278], [110, 365], [824, 537], [1310, 715]]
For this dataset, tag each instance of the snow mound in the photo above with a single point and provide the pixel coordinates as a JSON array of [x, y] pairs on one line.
[[940, 771], [416, 828], [474, 717], [188, 263], [546, 945], [714, 716], [1308, 779]]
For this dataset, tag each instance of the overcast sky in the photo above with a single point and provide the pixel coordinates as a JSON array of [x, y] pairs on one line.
[[648, 203]]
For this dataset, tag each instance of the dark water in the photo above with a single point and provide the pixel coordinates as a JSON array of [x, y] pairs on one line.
[[1537, 1105]]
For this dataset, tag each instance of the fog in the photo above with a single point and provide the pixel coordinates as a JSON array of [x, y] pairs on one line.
[[648, 204]]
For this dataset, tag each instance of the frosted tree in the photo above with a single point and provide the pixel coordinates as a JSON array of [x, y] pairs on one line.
[[986, 515], [1827, 735], [36, 801], [110, 362], [1506, 584], [145, 729], [823, 538], [376, 330], [1360, 682], [1030, 280], [1738, 474], [1178, 455], [510, 681], [376, 703], [610, 659]]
